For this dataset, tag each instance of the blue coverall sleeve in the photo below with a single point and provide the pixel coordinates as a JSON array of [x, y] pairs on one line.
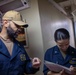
[[28, 66], [29, 69]]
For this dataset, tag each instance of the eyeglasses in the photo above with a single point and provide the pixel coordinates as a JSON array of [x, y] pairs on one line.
[[18, 26], [24, 26]]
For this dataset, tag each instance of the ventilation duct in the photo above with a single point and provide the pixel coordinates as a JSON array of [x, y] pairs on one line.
[[13, 5]]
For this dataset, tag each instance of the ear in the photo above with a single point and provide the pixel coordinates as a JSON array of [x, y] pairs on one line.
[[6, 23]]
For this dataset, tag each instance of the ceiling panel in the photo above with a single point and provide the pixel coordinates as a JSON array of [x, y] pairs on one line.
[[58, 1], [2, 0]]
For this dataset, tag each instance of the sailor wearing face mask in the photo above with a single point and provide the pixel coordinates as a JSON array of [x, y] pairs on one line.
[[13, 58]]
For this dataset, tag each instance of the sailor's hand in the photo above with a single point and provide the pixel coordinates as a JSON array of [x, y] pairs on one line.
[[54, 73], [73, 70], [36, 62]]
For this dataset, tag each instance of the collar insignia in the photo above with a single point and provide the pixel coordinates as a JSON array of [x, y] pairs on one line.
[[72, 61]]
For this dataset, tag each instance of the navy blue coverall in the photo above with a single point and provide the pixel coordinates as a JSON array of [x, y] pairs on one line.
[[54, 55], [17, 64]]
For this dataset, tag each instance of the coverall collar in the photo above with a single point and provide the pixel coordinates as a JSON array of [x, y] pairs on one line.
[[4, 51]]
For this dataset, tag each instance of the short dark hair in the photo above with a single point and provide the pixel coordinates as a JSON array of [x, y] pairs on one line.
[[61, 34]]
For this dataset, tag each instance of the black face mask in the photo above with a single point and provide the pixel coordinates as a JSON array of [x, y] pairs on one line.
[[11, 33]]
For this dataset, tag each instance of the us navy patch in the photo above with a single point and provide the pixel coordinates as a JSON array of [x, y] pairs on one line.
[[22, 57]]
